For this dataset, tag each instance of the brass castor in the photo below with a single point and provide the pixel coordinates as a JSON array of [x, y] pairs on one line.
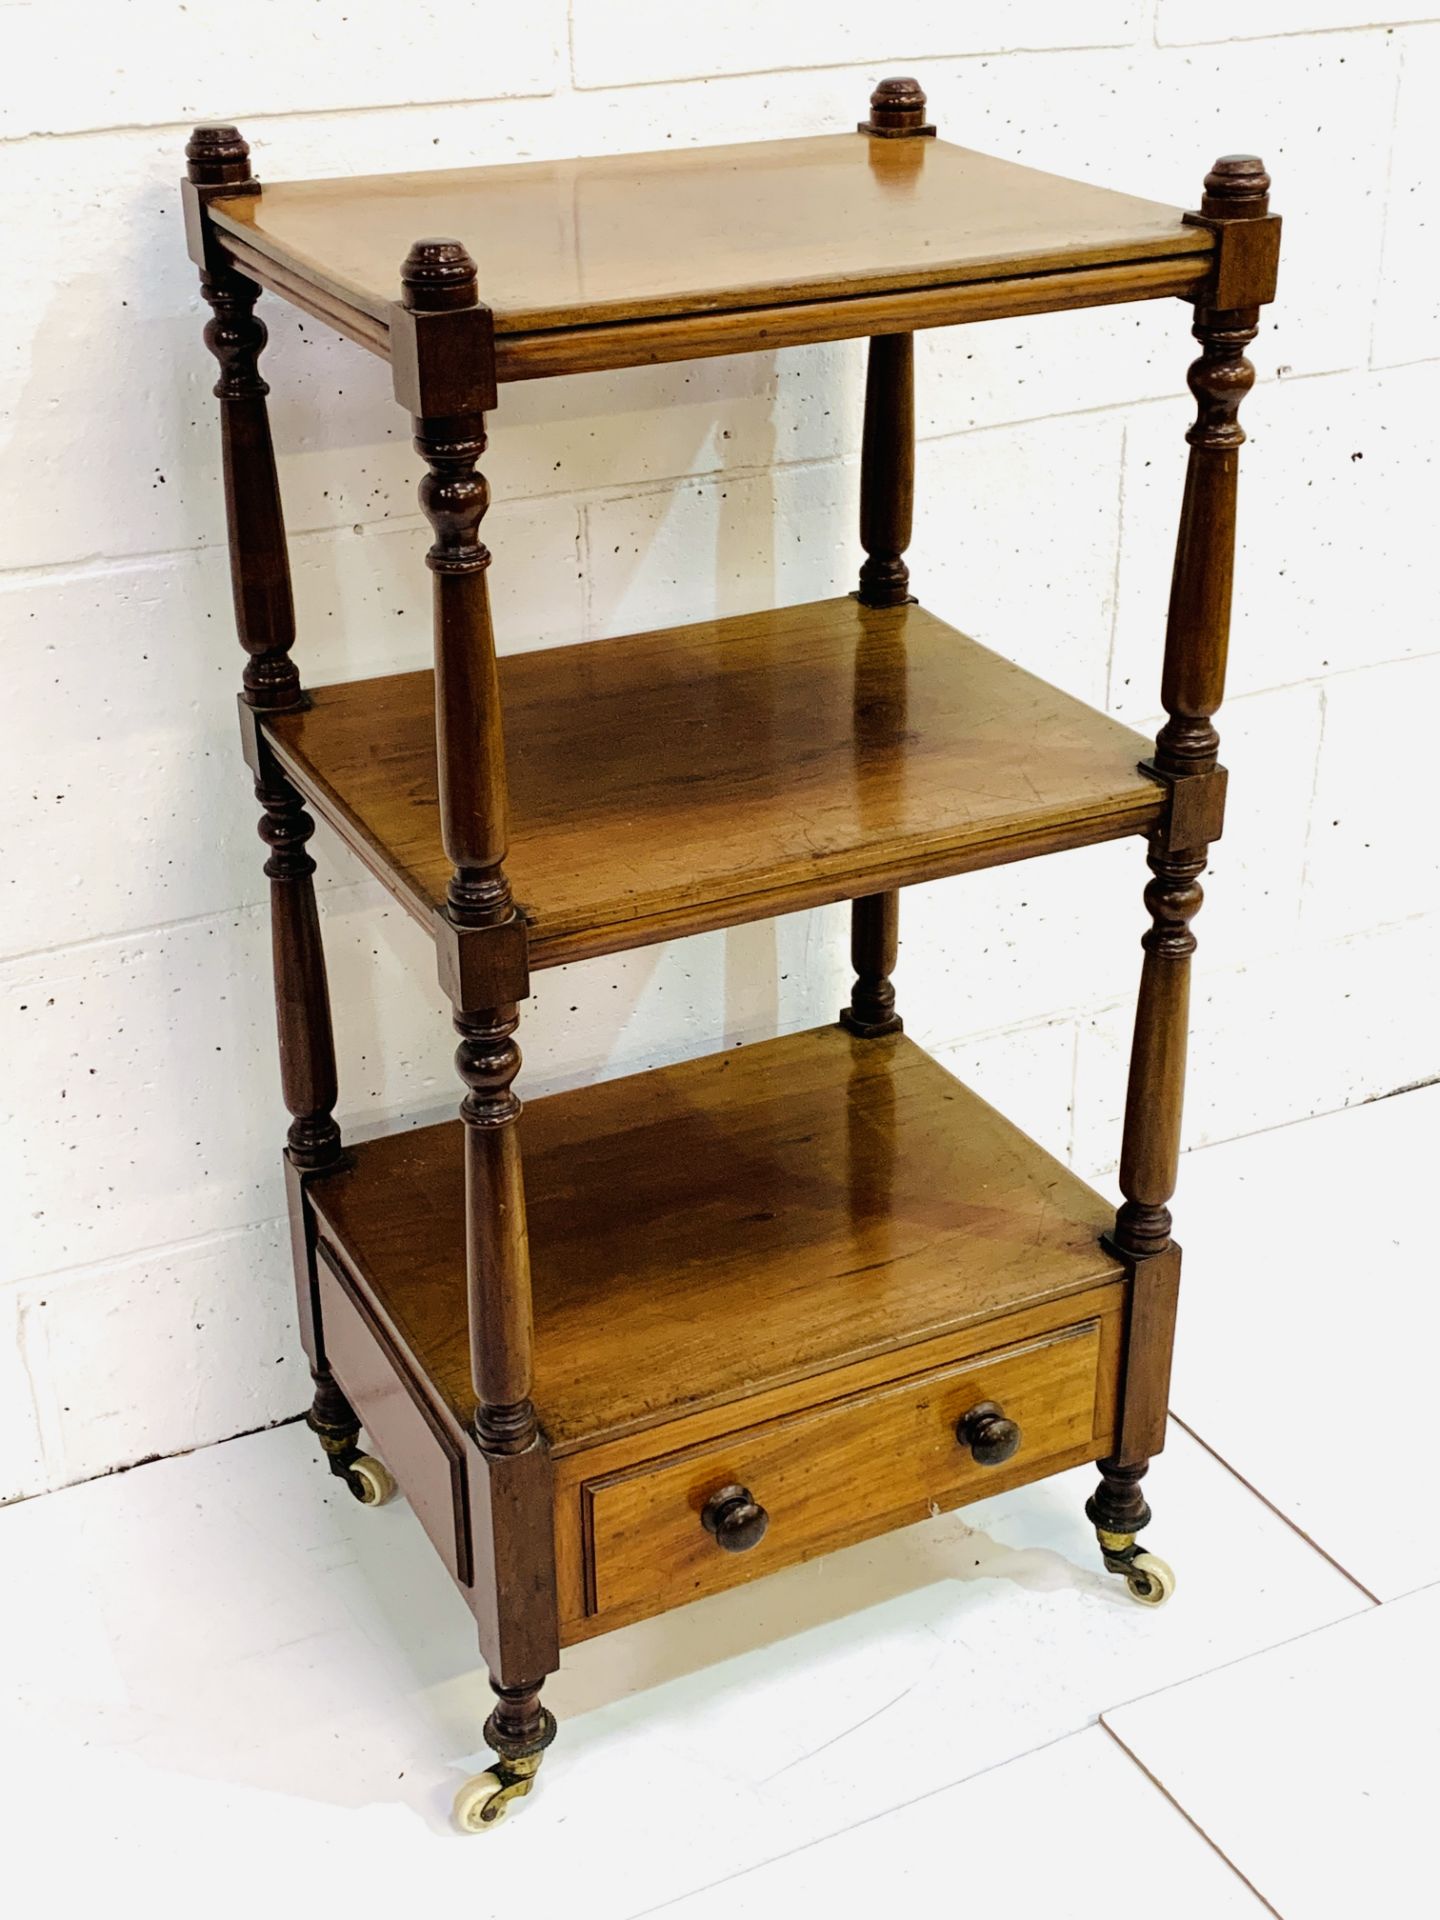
[[488, 1797], [370, 1480], [1150, 1579]]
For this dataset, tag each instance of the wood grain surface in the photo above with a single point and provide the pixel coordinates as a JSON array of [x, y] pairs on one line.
[[567, 243], [709, 1230], [836, 1473], [706, 775]]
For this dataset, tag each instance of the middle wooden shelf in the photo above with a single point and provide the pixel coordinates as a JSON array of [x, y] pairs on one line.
[[701, 776]]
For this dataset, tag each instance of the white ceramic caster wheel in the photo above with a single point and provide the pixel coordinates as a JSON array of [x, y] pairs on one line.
[[1150, 1579], [371, 1481], [476, 1804]]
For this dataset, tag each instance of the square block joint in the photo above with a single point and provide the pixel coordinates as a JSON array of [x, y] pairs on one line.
[[1246, 262], [482, 966], [1195, 816], [200, 241], [443, 364]]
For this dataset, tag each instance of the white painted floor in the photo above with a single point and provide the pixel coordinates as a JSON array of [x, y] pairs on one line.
[[229, 1689]]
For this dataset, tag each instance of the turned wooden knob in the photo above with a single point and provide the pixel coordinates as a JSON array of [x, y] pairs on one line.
[[990, 1437], [737, 1521]]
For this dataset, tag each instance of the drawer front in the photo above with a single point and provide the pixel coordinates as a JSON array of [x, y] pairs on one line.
[[404, 1430], [838, 1473]]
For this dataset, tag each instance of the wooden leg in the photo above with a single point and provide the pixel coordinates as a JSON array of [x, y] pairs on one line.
[[332, 1421], [874, 946], [218, 160], [887, 471], [308, 1081], [302, 995], [498, 1249], [481, 937], [887, 494], [1186, 760]]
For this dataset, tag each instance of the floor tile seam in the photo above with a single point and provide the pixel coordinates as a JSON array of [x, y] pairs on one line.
[[820, 1840], [1190, 1819], [1279, 1513]]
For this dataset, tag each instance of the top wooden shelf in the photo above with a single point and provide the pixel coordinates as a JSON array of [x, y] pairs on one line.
[[630, 258]]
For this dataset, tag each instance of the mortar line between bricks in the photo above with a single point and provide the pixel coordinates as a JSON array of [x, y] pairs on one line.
[[1116, 572], [1302, 1119], [97, 565], [1346, 30], [890, 61], [328, 894], [1385, 201], [568, 86], [1307, 849], [271, 114], [570, 41], [93, 1269], [964, 57]]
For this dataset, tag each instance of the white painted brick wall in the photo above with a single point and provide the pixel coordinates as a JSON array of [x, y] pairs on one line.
[[144, 1284]]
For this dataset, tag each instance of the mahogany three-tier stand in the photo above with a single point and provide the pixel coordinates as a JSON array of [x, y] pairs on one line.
[[666, 1333]]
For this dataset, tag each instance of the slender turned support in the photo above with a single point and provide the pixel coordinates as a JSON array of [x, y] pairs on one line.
[[1186, 760], [218, 161], [307, 1050], [440, 276], [497, 1248], [519, 1727], [481, 930], [887, 471], [874, 947], [887, 495], [887, 500]]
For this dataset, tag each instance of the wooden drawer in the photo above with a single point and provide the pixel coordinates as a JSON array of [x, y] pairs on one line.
[[837, 1473]]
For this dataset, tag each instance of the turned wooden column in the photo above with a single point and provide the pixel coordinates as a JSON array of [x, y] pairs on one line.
[[218, 162], [218, 159], [887, 471], [887, 503], [439, 276], [1186, 760], [1187, 747]]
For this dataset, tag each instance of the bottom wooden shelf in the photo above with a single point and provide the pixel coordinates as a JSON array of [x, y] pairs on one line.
[[708, 1231], [797, 1264]]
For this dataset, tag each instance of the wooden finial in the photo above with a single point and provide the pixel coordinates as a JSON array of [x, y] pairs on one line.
[[1237, 187], [218, 155], [439, 275], [897, 110]]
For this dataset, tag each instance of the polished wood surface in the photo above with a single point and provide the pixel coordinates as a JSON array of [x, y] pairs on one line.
[[566, 243], [699, 336], [1186, 762], [425, 1458], [706, 1230], [640, 343], [709, 1427], [707, 775], [837, 1473], [792, 1295], [469, 742]]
